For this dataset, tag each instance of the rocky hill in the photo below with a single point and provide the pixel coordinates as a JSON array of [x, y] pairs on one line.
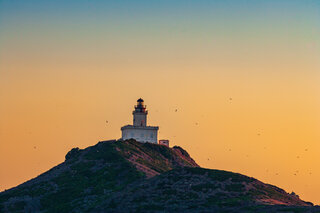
[[128, 176]]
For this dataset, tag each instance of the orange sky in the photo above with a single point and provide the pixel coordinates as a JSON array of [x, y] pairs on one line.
[[245, 86]]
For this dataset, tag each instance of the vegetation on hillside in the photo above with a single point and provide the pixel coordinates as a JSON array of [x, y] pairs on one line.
[[205, 190], [88, 176], [122, 176]]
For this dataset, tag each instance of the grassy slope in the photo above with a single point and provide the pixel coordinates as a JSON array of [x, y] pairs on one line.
[[89, 176], [198, 189], [83, 180], [101, 178], [156, 157]]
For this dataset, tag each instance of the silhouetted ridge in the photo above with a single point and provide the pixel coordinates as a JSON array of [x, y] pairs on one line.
[[128, 176]]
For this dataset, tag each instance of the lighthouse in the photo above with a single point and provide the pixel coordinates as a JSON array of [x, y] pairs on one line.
[[139, 130], [140, 114]]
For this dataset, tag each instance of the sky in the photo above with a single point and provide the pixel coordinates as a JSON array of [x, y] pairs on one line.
[[234, 82]]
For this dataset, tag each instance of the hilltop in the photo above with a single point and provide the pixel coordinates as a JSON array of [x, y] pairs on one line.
[[122, 176]]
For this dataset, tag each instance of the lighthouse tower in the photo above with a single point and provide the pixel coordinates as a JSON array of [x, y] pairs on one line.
[[140, 114], [139, 130]]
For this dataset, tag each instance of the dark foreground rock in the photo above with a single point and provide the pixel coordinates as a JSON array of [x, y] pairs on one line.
[[128, 176]]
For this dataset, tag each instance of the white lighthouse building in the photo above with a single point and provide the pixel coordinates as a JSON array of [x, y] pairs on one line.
[[139, 130]]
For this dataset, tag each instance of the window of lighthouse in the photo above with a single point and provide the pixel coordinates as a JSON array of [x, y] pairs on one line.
[[151, 135]]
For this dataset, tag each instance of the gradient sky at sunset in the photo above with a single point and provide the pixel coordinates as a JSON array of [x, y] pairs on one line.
[[244, 77]]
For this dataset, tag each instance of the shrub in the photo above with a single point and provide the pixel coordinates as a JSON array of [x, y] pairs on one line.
[[236, 187]]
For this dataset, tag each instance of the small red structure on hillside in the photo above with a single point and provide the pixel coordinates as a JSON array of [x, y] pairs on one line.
[[164, 142]]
